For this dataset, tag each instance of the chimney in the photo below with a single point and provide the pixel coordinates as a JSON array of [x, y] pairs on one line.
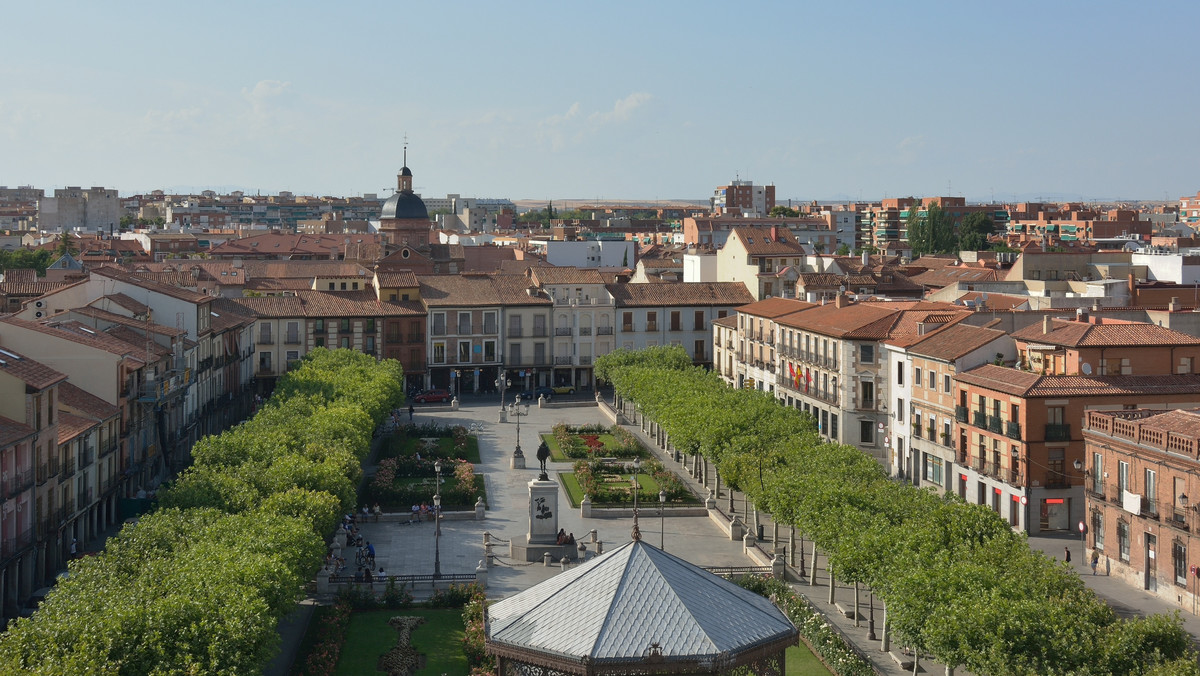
[[1173, 306], [774, 234], [1081, 315], [1045, 324], [866, 258], [841, 301]]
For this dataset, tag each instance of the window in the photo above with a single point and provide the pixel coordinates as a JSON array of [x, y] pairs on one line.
[[319, 325], [1149, 490], [264, 361], [464, 351], [675, 320], [933, 381], [439, 353], [369, 345], [370, 327], [1122, 477], [866, 432], [946, 432], [489, 350], [833, 426], [489, 322], [946, 383], [1123, 541], [1098, 529], [900, 373], [293, 355], [933, 468], [627, 321], [868, 395], [264, 333], [651, 321], [917, 377], [345, 342], [539, 326], [824, 422], [293, 333], [539, 353], [514, 326], [464, 323], [1179, 562], [344, 326], [319, 341], [900, 411], [514, 354], [866, 353], [698, 323]]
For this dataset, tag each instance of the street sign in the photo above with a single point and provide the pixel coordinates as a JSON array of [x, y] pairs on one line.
[[1024, 500], [1193, 570], [881, 427], [1082, 528]]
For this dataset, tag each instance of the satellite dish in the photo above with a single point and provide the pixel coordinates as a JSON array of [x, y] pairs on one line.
[[983, 297], [1087, 369]]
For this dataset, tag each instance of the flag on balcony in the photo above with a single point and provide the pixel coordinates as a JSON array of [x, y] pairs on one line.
[[807, 380]]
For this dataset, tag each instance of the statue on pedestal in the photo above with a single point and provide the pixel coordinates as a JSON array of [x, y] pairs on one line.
[[543, 454]]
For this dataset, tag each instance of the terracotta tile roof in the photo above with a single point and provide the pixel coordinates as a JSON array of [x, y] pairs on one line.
[[71, 426], [868, 320], [398, 279], [33, 373], [12, 431], [1069, 333], [761, 241], [83, 335], [29, 289], [733, 294], [128, 335], [520, 266], [513, 290], [85, 403], [124, 301], [952, 274], [954, 341], [119, 274], [96, 313], [770, 308], [832, 281], [358, 246], [996, 301], [487, 258], [543, 275], [1026, 384], [286, 284], [225, 314], [322, 304], [467, 290], [21, 275]]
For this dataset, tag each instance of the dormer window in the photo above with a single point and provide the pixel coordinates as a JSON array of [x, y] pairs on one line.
[[749, 240]]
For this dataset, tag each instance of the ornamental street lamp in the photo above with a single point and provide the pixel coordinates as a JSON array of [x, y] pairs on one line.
[[636, 534], [503, 384], [662, 524], [437, 519], [516, 410]]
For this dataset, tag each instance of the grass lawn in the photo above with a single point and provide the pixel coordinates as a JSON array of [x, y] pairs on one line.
[[439, 639], [421, 486], [400, 446], [556, 452], [802, 662], [575, 492]]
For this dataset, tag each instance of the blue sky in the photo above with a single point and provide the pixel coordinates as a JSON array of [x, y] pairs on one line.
[[612, 100]]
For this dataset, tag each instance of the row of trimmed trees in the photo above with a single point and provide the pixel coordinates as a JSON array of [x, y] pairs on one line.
[[199, 585], [957, 582]]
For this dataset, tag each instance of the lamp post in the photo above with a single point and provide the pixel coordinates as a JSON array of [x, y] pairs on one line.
[[662, 523], [1078, 465], [518, 413], [503, 383], [637, 468], [437, 519]]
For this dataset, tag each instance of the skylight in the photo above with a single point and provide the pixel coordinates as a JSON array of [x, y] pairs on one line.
[[9, 354]]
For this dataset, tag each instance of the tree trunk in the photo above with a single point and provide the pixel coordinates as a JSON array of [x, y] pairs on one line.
[[856, 624], [886, 642], [792, 547], [812, 577], [832, 588], [774, 533]]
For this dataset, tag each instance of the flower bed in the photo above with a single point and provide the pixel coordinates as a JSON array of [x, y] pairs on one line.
[[590, 441], [461, 486], [609, 483], [816, 632]]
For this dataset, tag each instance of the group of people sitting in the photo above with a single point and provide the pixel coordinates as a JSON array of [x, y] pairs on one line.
[[422, 510], [365, 576], [565, 538]]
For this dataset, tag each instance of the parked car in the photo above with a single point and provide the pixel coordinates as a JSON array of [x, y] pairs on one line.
[[564, 389], [542, 391], [430, 396]]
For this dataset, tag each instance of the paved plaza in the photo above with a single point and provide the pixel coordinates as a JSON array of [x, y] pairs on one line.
[[403, 548]]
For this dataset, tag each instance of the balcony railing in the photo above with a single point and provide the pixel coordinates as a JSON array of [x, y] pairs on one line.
[[416, 338], [1012, 430], [1057, 480], [539, 332], [585, 330], [979, 420], [585, 361], [85, 498], [960, 414], [563, 361], [977, 464], [68, 468], [1056, 432], [1149, 507], [562, 331], [10, 547], [1014, 477], [606, 331], [265, 339], [18, 482], [514, 333], [1178, 520], [995, 424], [651, 326], [867, 404]]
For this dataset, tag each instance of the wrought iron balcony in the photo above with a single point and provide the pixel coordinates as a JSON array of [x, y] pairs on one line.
[[995, 424], [960, 414], [1012, 430], [604, 330], [585, 330], [1057, 480], [1056, 432], [979, 420]]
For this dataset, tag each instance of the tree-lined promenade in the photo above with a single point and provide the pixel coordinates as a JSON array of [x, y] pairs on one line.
[[198, 586], [957, 582]]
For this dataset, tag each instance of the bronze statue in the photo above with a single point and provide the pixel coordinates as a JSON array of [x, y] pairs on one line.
[[543, 454]]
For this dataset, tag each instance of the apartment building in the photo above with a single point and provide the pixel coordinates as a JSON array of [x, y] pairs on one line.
[[768, 261], [584, 320], [743, 198], [531, 348], [1142, 492], [73, 208], [751, 360], [28, 428], [404, 334], [925, 368], [674, 314], [464, 332]]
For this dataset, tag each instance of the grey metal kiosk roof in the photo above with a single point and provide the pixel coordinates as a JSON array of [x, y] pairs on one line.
[[615, 607]]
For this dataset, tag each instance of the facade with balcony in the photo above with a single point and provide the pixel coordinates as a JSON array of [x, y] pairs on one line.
[[1047, 411], [1141, 477], [927, 422], [465, 340], [767, 259], [678, 313], [584, 319]]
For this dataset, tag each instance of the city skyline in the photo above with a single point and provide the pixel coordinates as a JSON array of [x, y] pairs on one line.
[[661, 102]]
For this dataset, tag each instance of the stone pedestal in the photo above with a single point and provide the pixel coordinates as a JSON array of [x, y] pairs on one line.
[[543, 513], [503, 416], [518, 459]]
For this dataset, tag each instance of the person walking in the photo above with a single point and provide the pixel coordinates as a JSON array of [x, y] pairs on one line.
[[1067, 554], [1095, 560], [411, 411]]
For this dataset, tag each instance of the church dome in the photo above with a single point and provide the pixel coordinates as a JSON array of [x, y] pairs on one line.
[[405, 171], [404, 205]]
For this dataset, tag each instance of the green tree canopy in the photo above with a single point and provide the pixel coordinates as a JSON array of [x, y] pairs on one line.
[[781, 211], [974, 232]]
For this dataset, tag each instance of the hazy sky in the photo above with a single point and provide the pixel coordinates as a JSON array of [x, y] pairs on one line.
[[607, 100]]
